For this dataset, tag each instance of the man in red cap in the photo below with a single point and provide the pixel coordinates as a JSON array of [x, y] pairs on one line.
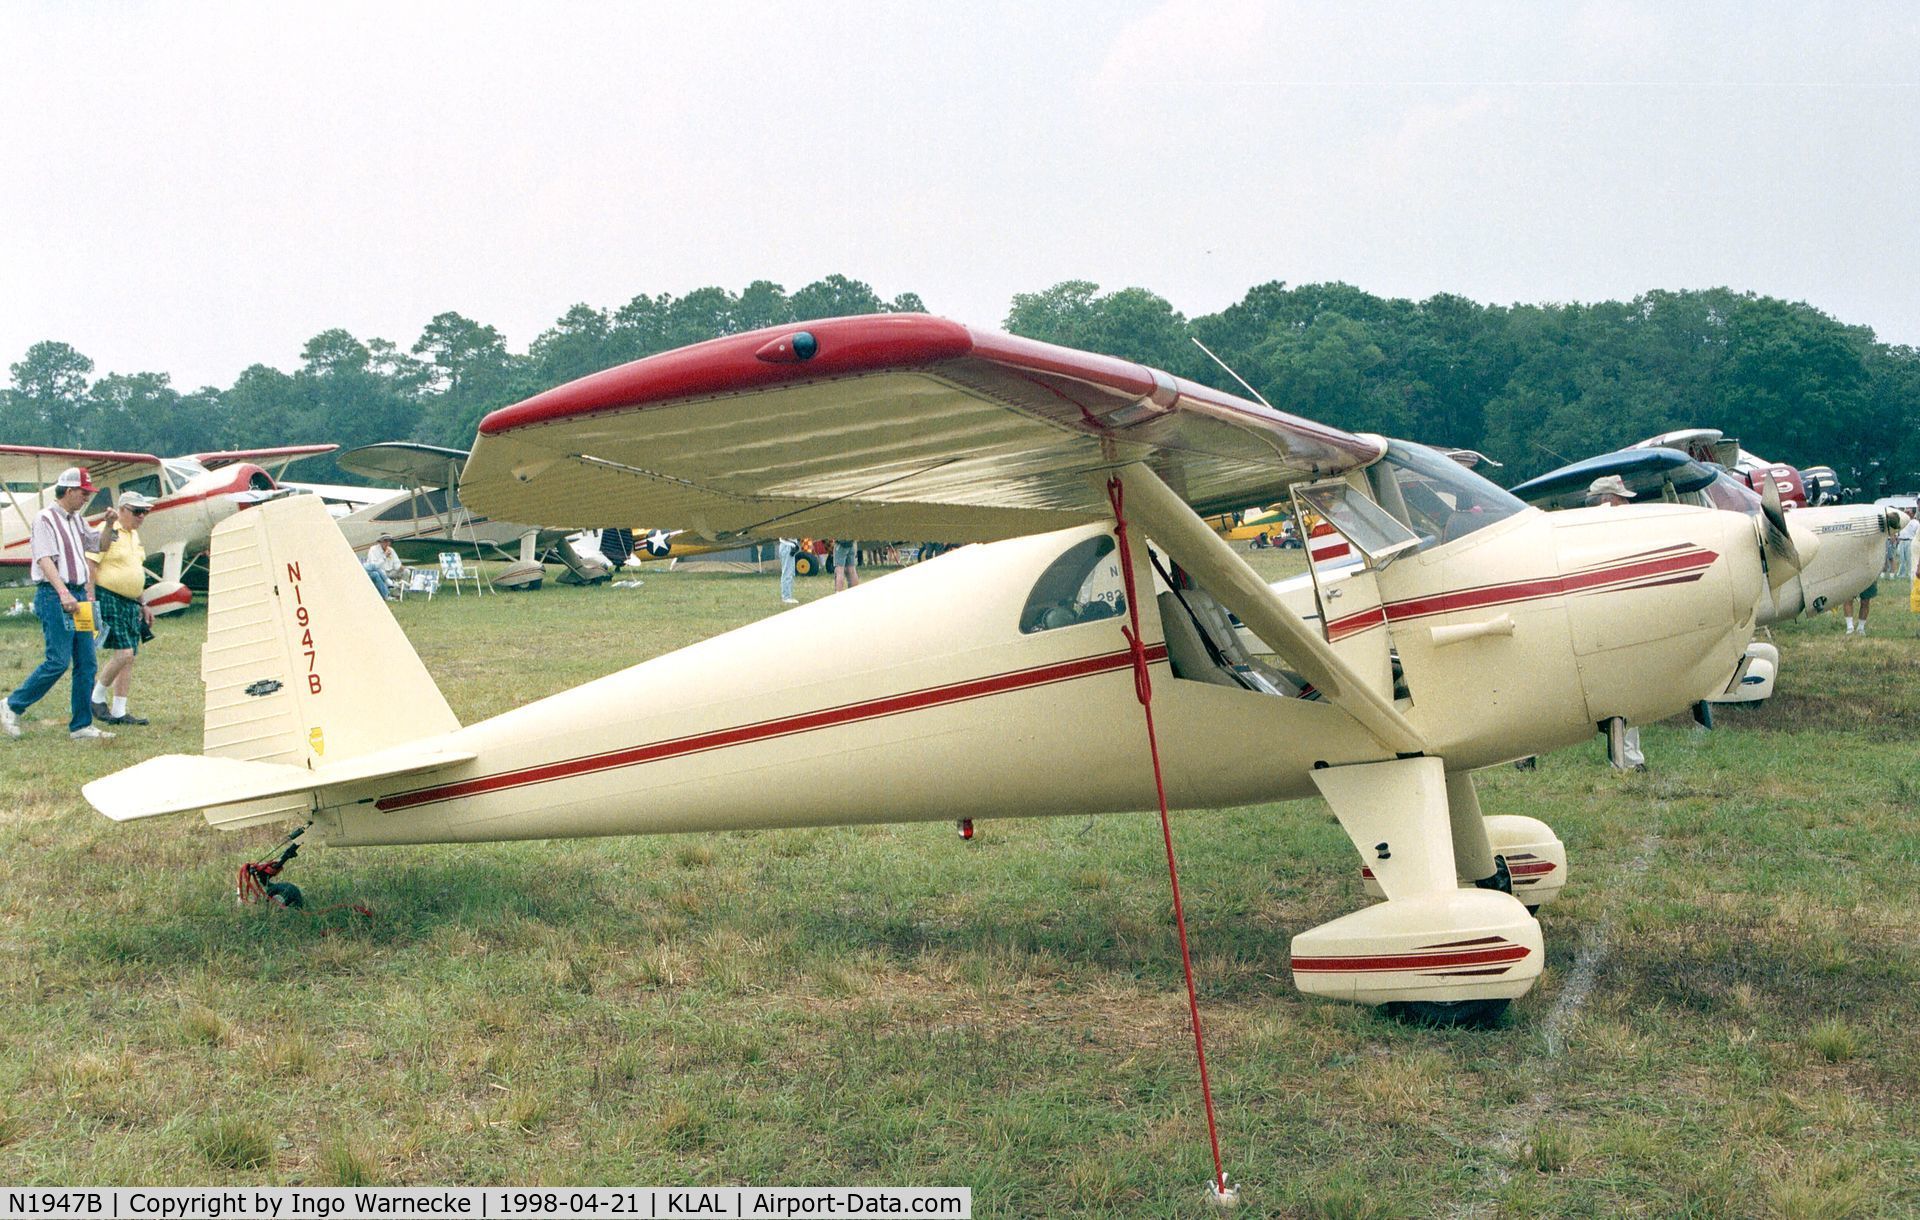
[[61, 541]]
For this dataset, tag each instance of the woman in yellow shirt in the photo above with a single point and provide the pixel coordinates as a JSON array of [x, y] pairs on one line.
[[120, 575]]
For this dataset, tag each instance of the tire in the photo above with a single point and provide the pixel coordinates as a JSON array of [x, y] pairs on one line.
[[806, 563], [286, 894], [1450, 1014]]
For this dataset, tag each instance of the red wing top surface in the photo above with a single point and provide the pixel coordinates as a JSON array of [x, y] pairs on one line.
[[897, 426], [36, 466]]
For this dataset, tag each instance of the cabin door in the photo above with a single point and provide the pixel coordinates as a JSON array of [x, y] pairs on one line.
[[1349, 540]]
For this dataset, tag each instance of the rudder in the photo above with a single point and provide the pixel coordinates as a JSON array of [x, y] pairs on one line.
[[304, 664]]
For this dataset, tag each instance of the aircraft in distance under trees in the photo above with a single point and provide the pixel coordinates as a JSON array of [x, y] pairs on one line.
[[1005, 679], [1823, 555], [1800, 487], [191, 494], [428, 517]]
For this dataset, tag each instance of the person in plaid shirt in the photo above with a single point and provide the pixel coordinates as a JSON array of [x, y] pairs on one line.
[[61, 541]]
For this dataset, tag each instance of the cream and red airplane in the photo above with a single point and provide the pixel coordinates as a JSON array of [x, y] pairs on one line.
[[998, 680], [191, 494]]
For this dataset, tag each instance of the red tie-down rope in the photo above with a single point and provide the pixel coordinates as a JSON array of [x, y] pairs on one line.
[[1143, 689]]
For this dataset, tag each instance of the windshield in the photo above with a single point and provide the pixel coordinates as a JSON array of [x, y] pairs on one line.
[[1438, 497], [181, 470], [1731, 494]]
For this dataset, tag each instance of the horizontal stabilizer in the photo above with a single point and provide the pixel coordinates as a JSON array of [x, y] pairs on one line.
[[182, 783]]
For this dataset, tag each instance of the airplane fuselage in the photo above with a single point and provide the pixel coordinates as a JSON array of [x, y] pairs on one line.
[[920, 697]]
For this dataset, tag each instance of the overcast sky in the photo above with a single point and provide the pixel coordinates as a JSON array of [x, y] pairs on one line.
[[193, 188]]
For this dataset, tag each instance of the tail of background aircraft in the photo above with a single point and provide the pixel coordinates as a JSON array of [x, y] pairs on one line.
[[309, 680]]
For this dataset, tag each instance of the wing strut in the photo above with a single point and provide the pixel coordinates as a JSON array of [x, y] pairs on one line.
[[1166, 518]]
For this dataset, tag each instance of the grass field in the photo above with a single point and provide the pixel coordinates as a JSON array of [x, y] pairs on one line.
[[1727, 1025]]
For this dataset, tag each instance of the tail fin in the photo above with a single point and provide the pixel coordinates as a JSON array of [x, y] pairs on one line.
[[304, 664]]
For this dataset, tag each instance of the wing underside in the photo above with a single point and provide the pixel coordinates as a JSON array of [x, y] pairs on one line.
[[33, 466], [900, 426]]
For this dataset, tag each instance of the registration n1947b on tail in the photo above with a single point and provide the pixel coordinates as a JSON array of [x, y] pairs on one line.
[[1444, 627]]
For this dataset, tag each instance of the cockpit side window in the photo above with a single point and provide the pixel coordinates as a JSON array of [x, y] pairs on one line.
[[1441, 499], [1082, 586]]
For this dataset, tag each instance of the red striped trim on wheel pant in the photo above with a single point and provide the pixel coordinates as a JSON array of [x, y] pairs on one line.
[[1419, 959]]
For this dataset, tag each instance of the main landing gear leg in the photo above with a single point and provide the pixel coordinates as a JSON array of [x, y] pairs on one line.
[[1473, 856], [1433, 951]]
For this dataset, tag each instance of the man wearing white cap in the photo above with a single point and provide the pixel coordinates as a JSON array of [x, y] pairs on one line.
[[119, 577], [61, 541], [1607, 491]]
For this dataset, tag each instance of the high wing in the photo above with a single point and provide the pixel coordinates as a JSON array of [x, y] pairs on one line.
[[227, 457], [885, 426], [1701, 444], [38, 466], [405, 462], [1643, 470]]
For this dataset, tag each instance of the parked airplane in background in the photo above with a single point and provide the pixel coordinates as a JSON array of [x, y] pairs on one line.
[[1830, 553], [1005, 679], [344, 499], [191, 495], [428, 518], [1800, 487]]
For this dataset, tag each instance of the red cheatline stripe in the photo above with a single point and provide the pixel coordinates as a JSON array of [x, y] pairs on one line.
[[1526, 590], [805, 722], [1341, 628], [1637, 555], [1692, 565], [1409, 961], [1531, 870]]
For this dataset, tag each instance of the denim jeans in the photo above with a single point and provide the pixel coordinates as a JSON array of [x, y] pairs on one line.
[[65, 647], [786, 549], [379, 579]]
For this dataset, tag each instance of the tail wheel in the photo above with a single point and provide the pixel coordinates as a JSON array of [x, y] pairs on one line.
[[1450, 1014], [286, 893], [806, 563]]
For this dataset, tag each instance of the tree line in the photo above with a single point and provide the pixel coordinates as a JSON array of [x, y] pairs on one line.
[[1531, 385]]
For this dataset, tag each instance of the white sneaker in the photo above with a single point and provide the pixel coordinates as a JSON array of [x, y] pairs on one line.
[[92, 732], [789, 601], [9, 719]]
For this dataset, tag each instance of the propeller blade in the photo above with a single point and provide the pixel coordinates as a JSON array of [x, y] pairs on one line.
[[1782, 556]]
